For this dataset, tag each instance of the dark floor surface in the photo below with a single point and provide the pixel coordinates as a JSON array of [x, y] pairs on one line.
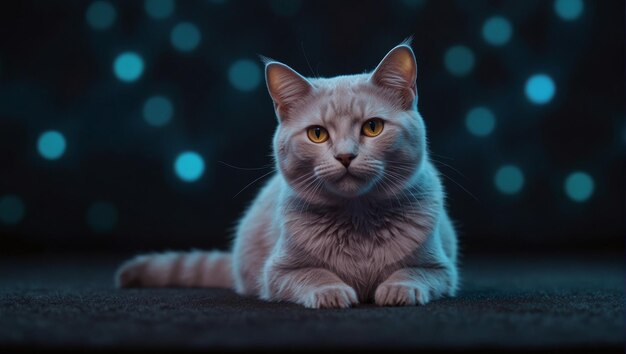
[[570, 303]]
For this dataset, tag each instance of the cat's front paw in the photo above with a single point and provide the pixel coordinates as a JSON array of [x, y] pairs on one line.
[[401, 294], [330, 296]]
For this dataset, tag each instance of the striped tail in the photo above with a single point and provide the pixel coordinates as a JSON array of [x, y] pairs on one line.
[[177, 269]]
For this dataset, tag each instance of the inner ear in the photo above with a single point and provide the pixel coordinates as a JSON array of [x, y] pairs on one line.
[[286, 87], [398, 72]]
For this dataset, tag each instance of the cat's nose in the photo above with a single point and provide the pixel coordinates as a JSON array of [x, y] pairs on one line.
[[345, 159]]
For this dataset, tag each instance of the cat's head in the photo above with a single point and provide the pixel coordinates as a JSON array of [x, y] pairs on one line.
[[348, 136]]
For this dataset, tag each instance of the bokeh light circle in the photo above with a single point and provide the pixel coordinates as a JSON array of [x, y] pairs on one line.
[[459, 60], [185, 36], [244, 75], [158, 111], [159, 9], [540, 89], [128, 66], [579, 186], [102, 217], [100, 15], [497, 30], [509, 179], [480, 121], [51, 145], [189, 166], [11, 209], [568, 9]]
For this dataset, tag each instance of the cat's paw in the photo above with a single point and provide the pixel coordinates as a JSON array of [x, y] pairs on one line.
[[129, 274], [401, 294], [331, 296]]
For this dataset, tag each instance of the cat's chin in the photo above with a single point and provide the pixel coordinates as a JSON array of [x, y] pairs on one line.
[[349, 186]]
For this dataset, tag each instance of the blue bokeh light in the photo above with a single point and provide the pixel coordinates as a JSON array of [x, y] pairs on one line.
[[480, 121], [579, 186], [540, 89], [568, 9], [459, 60], [185, 36], [158, 111], [100, 15], [509, 179], [11, 209], [159, 9], [189, 166], [244, 75], [128, 66], [497, 30], [102, 217], [51, 145]]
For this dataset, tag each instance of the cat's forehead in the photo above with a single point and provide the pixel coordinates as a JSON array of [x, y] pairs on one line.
[[340, 85], [349, 96]]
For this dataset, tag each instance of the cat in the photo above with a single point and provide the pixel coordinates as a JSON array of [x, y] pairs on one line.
[[355, 212]]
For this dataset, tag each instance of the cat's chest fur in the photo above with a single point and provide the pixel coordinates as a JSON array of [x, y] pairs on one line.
[[361, 243]]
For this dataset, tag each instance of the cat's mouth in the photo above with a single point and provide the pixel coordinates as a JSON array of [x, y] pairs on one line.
[[348, 184], [349, 174], [350, 177]]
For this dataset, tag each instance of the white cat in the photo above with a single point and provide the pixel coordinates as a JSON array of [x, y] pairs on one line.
[[355, 212]]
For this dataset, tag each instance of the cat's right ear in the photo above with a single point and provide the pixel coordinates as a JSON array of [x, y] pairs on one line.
[[286, 87], [397, 72]]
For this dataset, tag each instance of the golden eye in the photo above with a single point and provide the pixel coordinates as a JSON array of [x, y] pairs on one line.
[[373, 127], [317, 134]]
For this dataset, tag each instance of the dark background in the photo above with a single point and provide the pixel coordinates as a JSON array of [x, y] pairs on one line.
[[56, 74]]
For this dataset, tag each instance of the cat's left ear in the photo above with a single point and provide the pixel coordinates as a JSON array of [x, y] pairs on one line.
[[398, 72]]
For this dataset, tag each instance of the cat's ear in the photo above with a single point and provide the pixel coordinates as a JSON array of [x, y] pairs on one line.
[[286, 87], [398, 72]]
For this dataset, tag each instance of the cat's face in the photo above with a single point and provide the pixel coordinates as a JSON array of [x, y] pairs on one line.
[[348, 136]]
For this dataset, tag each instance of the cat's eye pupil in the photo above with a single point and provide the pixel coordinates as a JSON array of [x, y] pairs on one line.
[[317, 134], [372, 125]]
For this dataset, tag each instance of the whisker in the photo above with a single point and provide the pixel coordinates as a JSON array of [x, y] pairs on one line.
[[389, 190], [304, 195], [452, 168], [299, 179], [460, 186], [246, 168], [441, 156], [303, 182], [309, 191], [404, 191], [251, 183]]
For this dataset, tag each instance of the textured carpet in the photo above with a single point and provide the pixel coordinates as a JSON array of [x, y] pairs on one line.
[[506, 303]]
